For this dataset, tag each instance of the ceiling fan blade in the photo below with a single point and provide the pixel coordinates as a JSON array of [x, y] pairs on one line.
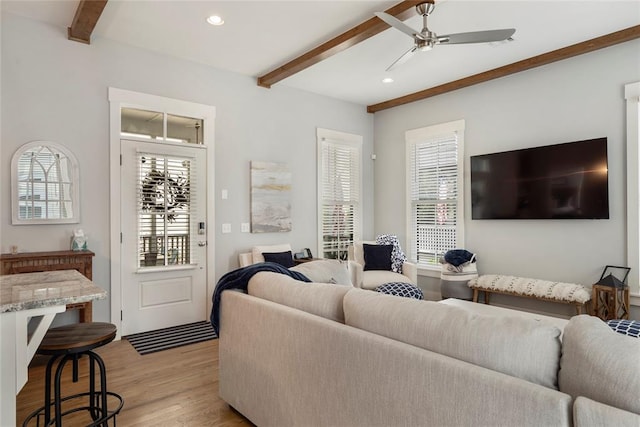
[[477, 36], [399, 25], [404, 58]]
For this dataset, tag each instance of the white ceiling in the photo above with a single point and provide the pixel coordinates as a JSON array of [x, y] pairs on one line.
[[261, 35]]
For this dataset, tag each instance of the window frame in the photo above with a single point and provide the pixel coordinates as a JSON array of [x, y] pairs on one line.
[[74, 183], [350, 142], [426, 135]]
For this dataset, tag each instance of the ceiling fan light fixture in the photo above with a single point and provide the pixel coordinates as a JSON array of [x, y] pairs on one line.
[[501, 42], [425, 40], [215, 20]]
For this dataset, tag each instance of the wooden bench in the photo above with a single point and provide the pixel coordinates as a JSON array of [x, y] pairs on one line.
[[542, 290]]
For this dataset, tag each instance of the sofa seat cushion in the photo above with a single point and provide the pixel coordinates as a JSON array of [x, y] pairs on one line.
[[400, 289], [321, 299], [600, 364], [375, 278], [517, 346], [325, 271]]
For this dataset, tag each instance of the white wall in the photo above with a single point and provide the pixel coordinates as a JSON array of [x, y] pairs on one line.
[[571, 100], [55, 89]]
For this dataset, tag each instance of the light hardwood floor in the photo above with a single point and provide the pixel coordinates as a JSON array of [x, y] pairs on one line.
[[177, 387]]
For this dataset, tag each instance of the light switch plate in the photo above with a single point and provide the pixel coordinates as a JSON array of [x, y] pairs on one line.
[[226, 228], [244, 227]]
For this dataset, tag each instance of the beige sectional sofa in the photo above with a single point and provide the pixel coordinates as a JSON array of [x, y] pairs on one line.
[[315, 354]]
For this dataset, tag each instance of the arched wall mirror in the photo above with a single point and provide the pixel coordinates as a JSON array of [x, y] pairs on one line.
[[44, 184]]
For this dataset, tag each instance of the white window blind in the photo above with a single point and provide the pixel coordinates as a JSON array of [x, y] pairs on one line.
[[339, 196], [165, 203], [434, 167]]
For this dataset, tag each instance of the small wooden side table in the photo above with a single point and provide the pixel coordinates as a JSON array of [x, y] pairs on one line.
[[610, 303], [31, 262]]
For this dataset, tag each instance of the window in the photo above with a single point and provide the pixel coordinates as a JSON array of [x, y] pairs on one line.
[[159, 126], [339, 192], [434, 192], [632, 95], [164, 209], [44, 184]]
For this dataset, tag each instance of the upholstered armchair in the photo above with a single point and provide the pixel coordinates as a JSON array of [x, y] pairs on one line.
[[366, 278]]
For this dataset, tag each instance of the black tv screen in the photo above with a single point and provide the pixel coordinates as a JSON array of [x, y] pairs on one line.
[[563, 181]]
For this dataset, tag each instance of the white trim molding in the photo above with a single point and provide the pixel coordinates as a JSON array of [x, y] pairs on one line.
[[632, 96], [340, 144], [433, 135], [118, 99]]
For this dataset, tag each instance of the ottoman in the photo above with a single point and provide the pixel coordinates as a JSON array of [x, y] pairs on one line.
[[400, 289]]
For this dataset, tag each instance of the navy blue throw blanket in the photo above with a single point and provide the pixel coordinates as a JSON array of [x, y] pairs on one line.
[[239, 279]]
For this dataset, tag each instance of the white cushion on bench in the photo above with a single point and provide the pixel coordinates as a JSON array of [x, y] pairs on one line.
[[559, 291]]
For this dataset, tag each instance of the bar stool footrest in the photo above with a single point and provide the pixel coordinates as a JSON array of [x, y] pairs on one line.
[[106, 414]]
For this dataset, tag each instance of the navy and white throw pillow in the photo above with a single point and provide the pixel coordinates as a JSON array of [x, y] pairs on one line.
[[626, 327], [399, 289]]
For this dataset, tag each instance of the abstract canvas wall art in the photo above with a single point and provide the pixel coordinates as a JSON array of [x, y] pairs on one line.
[[270, 197]]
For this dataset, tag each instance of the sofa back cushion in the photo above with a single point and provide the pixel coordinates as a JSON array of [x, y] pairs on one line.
[[321, 299], [589, 413], [600, 364], [519, 347]]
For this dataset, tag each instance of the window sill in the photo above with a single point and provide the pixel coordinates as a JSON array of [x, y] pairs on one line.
[[429, 272]]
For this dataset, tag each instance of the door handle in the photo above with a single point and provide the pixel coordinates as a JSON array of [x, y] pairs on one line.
[[202, 243]]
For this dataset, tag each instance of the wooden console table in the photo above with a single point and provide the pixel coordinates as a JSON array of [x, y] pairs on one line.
[[31, 262]]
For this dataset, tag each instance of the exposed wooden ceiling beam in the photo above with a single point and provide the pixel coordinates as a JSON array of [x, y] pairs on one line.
[[355, 35], [85, 20], [621, 36]]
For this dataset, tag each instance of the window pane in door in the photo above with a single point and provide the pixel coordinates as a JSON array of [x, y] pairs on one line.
[[164, 216], [141, 124]]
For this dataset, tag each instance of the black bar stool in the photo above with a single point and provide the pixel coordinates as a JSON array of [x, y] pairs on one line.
[[69, 343]]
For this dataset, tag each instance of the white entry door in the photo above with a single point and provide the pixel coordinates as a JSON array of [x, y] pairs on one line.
[[163, 272]]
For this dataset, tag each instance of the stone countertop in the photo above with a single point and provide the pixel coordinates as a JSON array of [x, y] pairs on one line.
[[26, 291]]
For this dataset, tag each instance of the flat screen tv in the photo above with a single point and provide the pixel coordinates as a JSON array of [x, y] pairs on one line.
[[562, 181]]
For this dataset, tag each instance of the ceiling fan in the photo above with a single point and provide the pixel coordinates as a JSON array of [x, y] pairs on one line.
[[426, 40]]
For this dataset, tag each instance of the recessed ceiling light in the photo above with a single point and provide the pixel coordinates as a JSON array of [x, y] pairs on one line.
[[215, 20], [387, 80]]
